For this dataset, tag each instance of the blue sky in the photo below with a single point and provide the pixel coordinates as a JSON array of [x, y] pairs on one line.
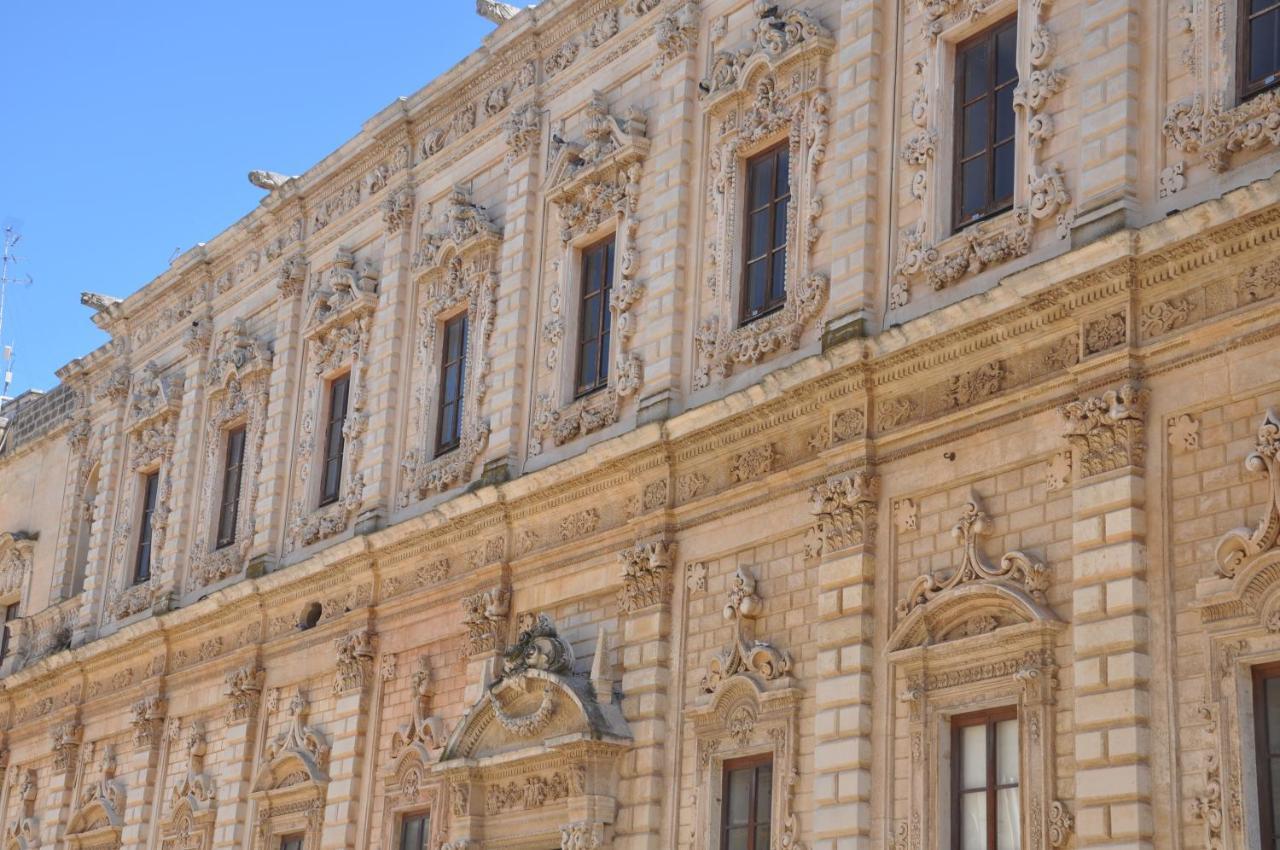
[[127, 129]]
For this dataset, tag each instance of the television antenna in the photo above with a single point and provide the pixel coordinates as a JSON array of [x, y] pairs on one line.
[[8, 259]]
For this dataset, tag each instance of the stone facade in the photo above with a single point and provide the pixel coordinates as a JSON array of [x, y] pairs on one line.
[[1031, 464]]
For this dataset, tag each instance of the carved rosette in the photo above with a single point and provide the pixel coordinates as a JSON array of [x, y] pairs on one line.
[[238, 380], [1106, 432], [844, 511], [646, 575], [595, 187], [484, 615], [768, 91], [457, 271], [337, 338]]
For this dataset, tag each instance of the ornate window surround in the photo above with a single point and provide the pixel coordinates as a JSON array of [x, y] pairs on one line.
[[98, 816], [770, 91], [86, 445], [238, 382], [290, 786], [1213, 122], [928, 248], [1240, 611], [595, 187], [193, 801], [337, 337], [409, 785], [455, 270], [152, 432], [996, 614]]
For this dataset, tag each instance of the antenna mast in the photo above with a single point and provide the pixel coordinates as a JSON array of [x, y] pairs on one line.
[[7, 258]]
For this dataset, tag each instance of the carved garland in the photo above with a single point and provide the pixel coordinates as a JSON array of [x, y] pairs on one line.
[[771, 90], [593, 183], [338, 334], [457, 268], [238, 381]]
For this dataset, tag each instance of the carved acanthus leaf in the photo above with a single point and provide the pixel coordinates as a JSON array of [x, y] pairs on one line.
[[1241, 544]]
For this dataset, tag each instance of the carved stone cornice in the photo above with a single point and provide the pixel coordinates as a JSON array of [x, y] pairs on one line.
[[1107, 432], [844, 511], [646, 575]]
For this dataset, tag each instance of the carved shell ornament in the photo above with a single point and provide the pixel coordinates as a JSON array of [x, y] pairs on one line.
[[1241, 544]]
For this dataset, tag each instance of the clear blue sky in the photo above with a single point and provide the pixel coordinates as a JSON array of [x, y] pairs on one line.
[[127, 130]]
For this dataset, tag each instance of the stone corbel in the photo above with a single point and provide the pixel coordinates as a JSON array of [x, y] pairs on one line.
[[676, 35], [148, 720], [484, 615], [243, 691]]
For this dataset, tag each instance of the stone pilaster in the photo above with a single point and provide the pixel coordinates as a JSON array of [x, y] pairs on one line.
[[484, 616], [110, 492], [66, 735], [243, 702], [645, 604], [143, 769], [184, 462], [1111, 628], [353, 684], [843, 538]]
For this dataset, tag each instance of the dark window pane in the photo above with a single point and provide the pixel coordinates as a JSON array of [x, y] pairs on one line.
[[1272, 697], [228, 512], [1004, 172], [976, 129], [593, 316], [1004, 114], [778, 285], [762, 182], [784, 172], [780, 224], [975, 71], [764, 794], [739, 796], [736, 839], [759, 238], [756, 283], [331, 481], [973, 182], [1006, 55]]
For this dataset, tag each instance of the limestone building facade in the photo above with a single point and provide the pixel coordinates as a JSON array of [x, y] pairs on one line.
[[714, 425]]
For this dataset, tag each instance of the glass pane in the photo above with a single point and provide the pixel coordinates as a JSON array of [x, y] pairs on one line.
[[973, 757], [973, 181], [780, 224], [974, 67], [976, 131], [1272, 697], [778, 286], [1260, 37], [736, 839], [1256, 6], [756, 284], [761, 181], [591, 317], [1004, 113], [764, 796], [973, 820], [587, 372], [1008, 820], [1275, 797], [759, 242], [739, 795], [762, 837], [784, 172], [1006, 55], [1004, 172], [1006, 752], [451, 383]]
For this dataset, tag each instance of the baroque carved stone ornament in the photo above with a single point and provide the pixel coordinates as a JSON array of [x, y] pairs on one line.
[[355, 653], [745, 656], [298, 755], [484, 615], [646, 575], [1240, 545], [1107, 432], [768, 91], [844, 511]]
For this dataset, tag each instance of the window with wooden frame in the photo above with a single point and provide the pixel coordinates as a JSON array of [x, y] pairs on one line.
[[453, 364], [293, 841], [1259, 54], [764, 284], [986, 813], [142, 559], [594, 317], [415, 829], [1266, 719], [229, 505], [747, 805], [10, 614], [986, 77], [334, 441]]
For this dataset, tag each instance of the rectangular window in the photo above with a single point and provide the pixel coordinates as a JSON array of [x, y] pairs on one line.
[[453, 363], [747, 806], [594, 317], [414, 831], [1266, 719], [10, 614], [331, 479], [985, 809], [764, 287], [1259, 35], [293, 841], [986, 76], [229, 509], [142, 563]]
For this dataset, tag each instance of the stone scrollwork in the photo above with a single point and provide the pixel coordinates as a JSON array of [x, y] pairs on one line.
[[769, 91], [456, 268], [338, 334], [484, 615], [745, 655], [237, 380], [193, 801], [1107, 432], [355, 653], [298, 755], [425, 731], [98, 815], [646, 575], [1240, 545], [844, 511], [24, 832], [243, 689], [675, 34], [595, 186], [1204, 124]]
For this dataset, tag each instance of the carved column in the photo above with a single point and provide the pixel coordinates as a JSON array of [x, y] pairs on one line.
[[843, 538], [353, 683], [243, 691], [144, 771], [1111, 625], [645, 606]]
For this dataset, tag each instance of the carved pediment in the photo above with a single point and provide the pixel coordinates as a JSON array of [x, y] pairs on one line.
[[237, 355], [98, 816], [465, 228], [154, 395], [745, 656], [299, 756], [419, 740], [536, 698], [779, 37], [341, 292], [609, 143]]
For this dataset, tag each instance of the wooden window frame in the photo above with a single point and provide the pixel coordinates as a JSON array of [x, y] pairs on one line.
[[1246, 88], [403, 818], [994, 206], [143, 555], [451, 410], [987, 718], [607, 246], [300, 838], [1262, 746], [331, 465], [232, 483], [776, 253], [753, 763]]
